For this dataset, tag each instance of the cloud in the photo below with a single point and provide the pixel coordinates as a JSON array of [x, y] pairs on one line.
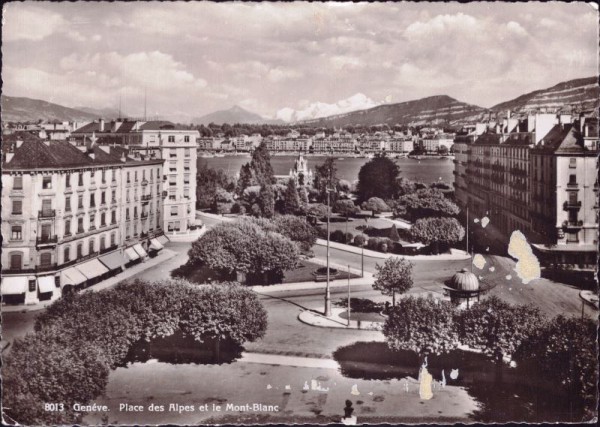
[[30, 23], [316, 110]]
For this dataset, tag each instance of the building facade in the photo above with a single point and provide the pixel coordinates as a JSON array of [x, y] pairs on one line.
[[64, 217], [537, 175]]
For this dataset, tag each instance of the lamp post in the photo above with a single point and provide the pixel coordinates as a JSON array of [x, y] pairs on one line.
[[348, 295], [327, 293]]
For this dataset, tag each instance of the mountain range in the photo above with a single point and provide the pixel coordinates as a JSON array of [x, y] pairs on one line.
[[580, 94], [233, 115]]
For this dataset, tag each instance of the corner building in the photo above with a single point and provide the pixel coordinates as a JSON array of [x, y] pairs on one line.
[[71, 218]]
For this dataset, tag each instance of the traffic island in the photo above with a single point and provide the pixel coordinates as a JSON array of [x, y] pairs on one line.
[[314, 318]]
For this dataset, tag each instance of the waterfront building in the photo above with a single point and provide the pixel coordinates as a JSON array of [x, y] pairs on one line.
[[67, 222]]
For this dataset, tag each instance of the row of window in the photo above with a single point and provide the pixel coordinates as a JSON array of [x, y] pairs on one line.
[[47, 180]]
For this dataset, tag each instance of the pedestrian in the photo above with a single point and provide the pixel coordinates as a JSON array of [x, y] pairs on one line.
[[348, 419]]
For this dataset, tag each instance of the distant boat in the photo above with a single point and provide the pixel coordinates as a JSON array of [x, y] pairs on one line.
[[341, 158]]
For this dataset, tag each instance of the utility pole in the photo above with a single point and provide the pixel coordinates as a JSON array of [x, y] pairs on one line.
[[327, 294]]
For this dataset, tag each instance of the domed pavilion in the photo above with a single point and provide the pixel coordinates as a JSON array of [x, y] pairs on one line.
[[465, 286]]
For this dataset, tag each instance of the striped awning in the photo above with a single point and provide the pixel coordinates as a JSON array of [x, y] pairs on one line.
[[162, 239], [156, 245], [14, 285], [131, 254], [141, 252], [46, 284], [71, 276], [114, 260], [92, 269]]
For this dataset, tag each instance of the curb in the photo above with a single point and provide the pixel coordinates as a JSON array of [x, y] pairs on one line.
[[354, 324]]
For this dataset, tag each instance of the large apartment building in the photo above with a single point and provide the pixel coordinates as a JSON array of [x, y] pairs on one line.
[[73, 215], [177, 146], [537, 175]]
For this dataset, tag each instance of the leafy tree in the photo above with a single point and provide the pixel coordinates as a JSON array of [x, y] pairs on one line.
[[565, 350], [326, 177], [208, 182], [423, 325], [243, 246], [44, 368], [441, 232], [266, 201], [425, 203], [316, 211], [345, 208], [376, 205], [377, 178], [298, 230], [497, 328], [291, 199], [443, 150], [343, 186], [394, 276], [223, 201]]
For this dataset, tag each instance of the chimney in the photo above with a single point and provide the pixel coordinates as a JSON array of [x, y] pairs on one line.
[[19, 143], [101, 127], [123, 158]]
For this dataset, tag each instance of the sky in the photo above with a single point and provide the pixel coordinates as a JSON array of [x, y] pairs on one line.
[[290, 60]]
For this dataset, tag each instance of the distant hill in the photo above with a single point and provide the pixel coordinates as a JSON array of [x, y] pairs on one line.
[[582, 94], [16, 109], [105, 113], [439, 110], [234, 115]]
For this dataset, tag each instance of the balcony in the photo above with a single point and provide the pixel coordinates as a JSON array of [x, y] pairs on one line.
[[146, 197], [46, 241], [572, 186], [144, 182], [47, 213], [572, 205], [572, 224], [144, 215]]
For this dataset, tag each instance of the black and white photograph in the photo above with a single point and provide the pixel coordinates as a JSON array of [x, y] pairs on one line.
[[254, 213]]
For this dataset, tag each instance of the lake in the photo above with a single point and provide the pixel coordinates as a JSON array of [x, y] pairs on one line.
[[426, 170]]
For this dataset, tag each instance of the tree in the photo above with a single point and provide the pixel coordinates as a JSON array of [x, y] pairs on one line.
[[244, 247], [317, 211], [246, 179], [565, 350], [326, 178], [298, 230], [441, 232], [261, 165], [423, 325], [208, 182], [377, 178], [375, 205], [394, 276], [266, 201], [427, 202], [291, 199], [497, 328], [42, 368], [345, 208], [223, 201]]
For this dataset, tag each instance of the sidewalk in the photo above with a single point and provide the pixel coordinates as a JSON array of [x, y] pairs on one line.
[[455, 254], [165, 255]]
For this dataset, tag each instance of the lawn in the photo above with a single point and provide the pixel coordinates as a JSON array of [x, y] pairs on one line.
[[302, 273]]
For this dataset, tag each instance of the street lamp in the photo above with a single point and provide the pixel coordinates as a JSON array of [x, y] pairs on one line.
[[327, 293]]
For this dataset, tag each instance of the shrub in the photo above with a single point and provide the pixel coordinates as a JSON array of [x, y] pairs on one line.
[[337, 236], [373, 243], [383, 247], [359, 240], [348, 237]]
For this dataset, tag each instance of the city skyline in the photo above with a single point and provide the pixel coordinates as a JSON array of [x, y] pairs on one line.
[[280, 59]]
